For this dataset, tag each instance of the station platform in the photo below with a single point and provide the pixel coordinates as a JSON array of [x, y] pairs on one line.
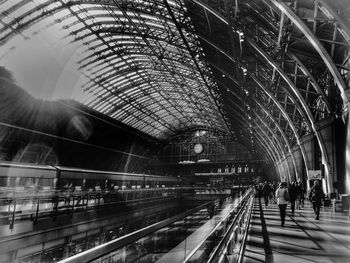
[[302, 239], [240, 229]]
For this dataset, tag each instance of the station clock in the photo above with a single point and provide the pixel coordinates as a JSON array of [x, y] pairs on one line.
[[198, 148]]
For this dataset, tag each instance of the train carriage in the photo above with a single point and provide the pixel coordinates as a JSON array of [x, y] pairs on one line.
[[46, 177]]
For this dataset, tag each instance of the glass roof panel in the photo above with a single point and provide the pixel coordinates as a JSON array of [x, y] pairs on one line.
[[130, 63]]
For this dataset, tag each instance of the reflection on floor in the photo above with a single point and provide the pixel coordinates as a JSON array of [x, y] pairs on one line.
[[302, 239]]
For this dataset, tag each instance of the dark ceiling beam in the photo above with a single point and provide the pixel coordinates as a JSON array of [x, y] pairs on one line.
[[176, 22], [265, 110], [281, 149], [105, 100], [272, 152], [136, 28], [221, 18], [258, 84], [283, 159], [270, 148], [149, 102], [132, 22], [239, 111], [297, 21], [257, 103], [290, 55], [282, 134], [111, 54], [18, 26], [146, 92], [312, 80], [136, 6], [327, 58], [168, 126], [306, 113], [139, 108], [295, 90]]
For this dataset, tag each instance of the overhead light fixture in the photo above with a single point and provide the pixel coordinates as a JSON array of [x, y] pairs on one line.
[[241, 36]]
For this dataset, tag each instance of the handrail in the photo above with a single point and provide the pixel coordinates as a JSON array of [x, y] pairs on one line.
[[221, 250], [110, 246], [244, 240], [215, 228], [217, 254]]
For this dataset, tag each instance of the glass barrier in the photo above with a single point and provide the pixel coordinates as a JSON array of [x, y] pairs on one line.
[[191, 238], [227, 236], [19, 205]]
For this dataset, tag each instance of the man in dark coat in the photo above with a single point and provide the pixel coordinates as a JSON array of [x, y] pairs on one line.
[[266, 192], [293, 193], [316, 195]]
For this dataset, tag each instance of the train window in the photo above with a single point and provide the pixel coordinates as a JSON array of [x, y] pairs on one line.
[[18, 181], [19, 188], [146, 186], [123, 187], [48, 182], [129, 196], [3, 181], [127, 183]]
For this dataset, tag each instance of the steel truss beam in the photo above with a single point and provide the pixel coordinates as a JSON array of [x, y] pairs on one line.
[[260, 85], [239, 109], [300, 99], [297, 21], [328, 61], [273, 147], [270, 149], [168, 54]]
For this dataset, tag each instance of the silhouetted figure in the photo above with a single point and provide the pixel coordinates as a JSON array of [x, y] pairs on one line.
[[316, 195], [300, 195], [282, 196], [221, 201], [259, 191], [266, 192], [210, 209], [293, 193]]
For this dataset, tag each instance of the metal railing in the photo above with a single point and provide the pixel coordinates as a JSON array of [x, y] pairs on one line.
[[226, 242], [20, 205], [104, 249], [227, 237]]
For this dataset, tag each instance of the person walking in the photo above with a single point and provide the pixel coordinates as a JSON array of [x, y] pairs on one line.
[[282, 196], [266, 192], [300, 193], [293, 195], [315, 196]]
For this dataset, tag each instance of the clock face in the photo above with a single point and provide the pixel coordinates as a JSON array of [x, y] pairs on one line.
[[198, 148]]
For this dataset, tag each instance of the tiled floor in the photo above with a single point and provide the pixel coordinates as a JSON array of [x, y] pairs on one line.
[[302, 239]]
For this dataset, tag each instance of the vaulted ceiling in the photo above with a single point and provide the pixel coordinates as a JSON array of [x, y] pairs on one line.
[[264, 72]]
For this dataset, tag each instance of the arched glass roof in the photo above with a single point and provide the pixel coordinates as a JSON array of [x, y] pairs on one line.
[[138, 59], [264, 72]]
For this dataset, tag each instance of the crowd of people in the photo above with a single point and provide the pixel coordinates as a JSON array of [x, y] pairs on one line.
[[295, 194]]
